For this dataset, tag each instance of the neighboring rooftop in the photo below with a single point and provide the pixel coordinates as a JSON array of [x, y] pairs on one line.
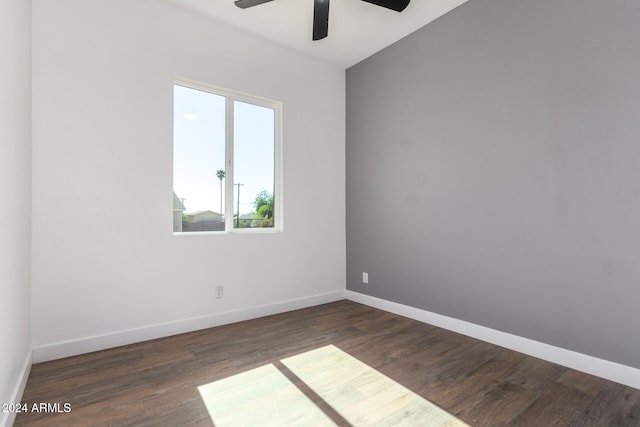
[[177, 203]]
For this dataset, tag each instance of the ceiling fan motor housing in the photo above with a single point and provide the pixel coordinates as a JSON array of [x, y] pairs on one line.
[[397, 5]]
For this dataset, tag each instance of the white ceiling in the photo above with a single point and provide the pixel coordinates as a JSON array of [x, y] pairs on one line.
[[356, 29]]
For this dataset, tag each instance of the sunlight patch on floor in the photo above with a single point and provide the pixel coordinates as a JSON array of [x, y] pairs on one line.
[[360, 394], [260, 397]]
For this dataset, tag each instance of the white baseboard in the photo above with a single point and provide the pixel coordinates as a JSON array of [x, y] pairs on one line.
[[592, 365], [7, 418], [130, 336]]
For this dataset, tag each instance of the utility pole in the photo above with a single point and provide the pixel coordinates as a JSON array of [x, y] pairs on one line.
[[238, 211]]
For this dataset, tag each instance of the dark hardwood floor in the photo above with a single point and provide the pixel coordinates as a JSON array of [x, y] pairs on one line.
[[154, 383]]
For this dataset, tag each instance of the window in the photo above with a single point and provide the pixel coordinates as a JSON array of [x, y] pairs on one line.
[[226, 161]]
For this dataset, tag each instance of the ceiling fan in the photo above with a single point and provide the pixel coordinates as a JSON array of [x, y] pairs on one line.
[[321, 12]]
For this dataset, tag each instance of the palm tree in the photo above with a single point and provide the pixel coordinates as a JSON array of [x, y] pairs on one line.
[[220, 173]]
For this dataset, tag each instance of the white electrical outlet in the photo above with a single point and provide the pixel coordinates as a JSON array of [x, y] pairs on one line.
[[219, 292], [365, 277]]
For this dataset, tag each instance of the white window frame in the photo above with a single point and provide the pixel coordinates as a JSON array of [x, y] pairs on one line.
[[231, 96]]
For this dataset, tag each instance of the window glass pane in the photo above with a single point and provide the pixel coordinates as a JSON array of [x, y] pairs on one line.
[[198, 160], [253, 160]]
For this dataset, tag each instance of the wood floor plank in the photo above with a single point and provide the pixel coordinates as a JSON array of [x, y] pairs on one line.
[[156, 383], [614, 405], [587, 383], [558, 406], [537, 374], [462, 392], [498, 406]]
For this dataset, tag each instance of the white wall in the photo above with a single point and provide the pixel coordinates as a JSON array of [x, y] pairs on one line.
[[15, 215], [102, 155]]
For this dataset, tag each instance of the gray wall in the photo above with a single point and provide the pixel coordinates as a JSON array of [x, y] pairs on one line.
[[493, 171]]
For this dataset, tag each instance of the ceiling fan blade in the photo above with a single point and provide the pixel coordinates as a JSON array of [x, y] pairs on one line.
[[397, 5], [243, 4], [320, 19]]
